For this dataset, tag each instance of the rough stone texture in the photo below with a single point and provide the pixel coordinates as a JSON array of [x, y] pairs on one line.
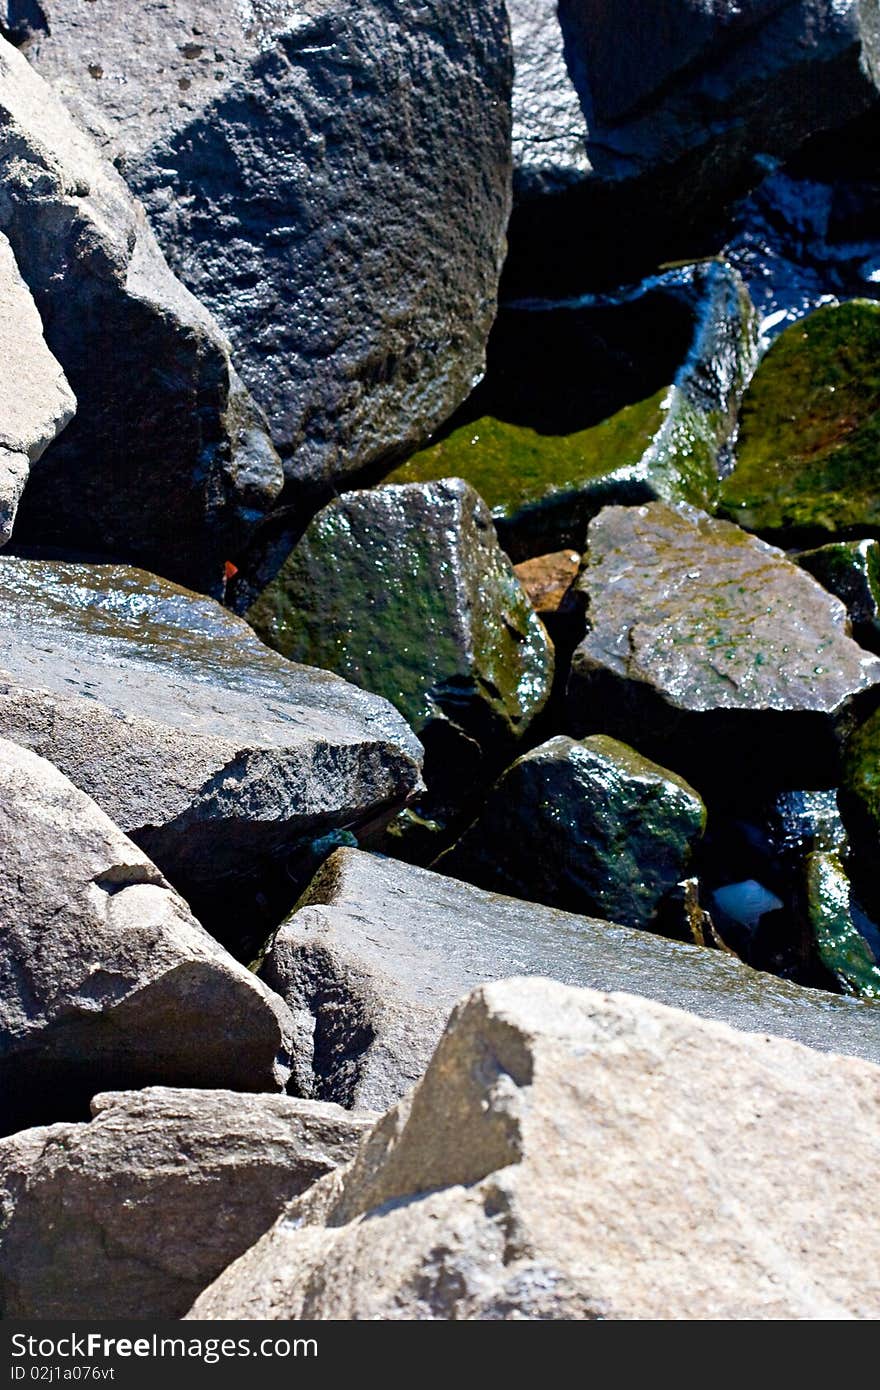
[[859, 798], [332, 180], [619, 398], [720, 657], [38, 402], [405, 591], [851, 570], [577, 1155], [167, 460], [549, 130], [807, 455], [132, 1215], [547, 579], [588, 826], [106, 978], [216, 755], [378, 952], [834, 923]]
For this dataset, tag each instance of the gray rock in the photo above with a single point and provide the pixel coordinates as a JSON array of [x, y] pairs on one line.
[[151, 371], [106, 978], [218, 757], [332, 180], [574, 1155], [405, 591], [132, 1215], [713, 652], [549, 128], [588, 826], [38, 402], [378, 952]]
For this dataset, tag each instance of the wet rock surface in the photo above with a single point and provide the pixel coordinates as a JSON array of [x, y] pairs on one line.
[[713, 650], [216, 755], [42, 403], [148, 365], [851, 570], [405, 591], [549, 130], [378, 952], [133, 1214], [589, 826], [810, 431], [615, 399], [106, 978], [534, 1174], [332, 181], [834, 918]]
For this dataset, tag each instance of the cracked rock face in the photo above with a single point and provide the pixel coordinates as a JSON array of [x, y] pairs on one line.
[[149, 366], [333, 182], [106, 978], [41, 403], [132, 1215], [713, 651], [560, 1160], [218, 757], [378, 952]]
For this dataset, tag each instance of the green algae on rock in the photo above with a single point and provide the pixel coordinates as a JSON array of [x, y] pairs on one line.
[[713, 651], [544, 482], [842, 948], [587, 826], [851, 570], [808, 457], [404, 591]]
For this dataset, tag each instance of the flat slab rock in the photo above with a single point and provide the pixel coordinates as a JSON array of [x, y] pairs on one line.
[[41, 403], [332, 180], [577, 1155], [712, 651], [215, 754], [379, 951], [132, 1215], [106, 978]]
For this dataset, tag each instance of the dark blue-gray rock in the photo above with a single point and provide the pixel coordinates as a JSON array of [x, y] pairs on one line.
[[378, 952], [168, 461], [106, 978], [38, 402], [851, 570], [219, 758], [588, 826], [332, 180], [133, 1214], [714, 652]]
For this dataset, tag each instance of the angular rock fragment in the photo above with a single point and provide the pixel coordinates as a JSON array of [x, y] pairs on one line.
[[132, 1215], [37, 402], [106, 978], [619, 398], [710, 648], [851, 570], [570, 1155], [218, 757], [168, 461], [587, 826], [806, 467], [333, 181], [404, 591], [547, 579], [378, 952], [549, 129]]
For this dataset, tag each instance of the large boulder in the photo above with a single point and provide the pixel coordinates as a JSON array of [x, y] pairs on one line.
[[167, 461], [132, 1215], [713, 651], [38, 403], [106, 978], [807, 468], [218, 757], [618, 398], [405, 591], [378, 952], [589, 826], [332, 180], [575, 1155]]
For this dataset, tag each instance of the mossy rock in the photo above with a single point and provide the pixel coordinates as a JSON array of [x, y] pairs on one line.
[[842, 948], [544, 483], [808, 458], [851, 571]]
